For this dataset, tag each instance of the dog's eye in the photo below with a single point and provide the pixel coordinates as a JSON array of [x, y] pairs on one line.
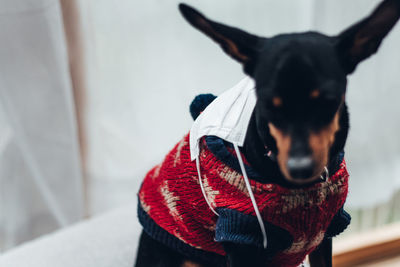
[[279, 122], [331, 105], [325, 111]]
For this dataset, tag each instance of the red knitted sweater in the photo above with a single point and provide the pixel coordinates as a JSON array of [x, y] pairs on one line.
[[172, 198]]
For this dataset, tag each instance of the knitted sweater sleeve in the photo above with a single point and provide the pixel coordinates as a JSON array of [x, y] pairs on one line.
[[236, 227], [338, 224]]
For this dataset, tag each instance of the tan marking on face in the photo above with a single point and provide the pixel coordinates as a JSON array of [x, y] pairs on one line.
[[283, 142], [320, 142], [315, 93], [277, 101]]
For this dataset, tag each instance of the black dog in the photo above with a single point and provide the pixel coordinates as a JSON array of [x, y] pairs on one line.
[[300, 114]]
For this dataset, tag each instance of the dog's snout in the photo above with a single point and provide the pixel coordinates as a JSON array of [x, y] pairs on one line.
[[300, 167]]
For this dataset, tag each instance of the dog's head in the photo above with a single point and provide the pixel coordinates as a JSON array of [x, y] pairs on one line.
[[301, 83]]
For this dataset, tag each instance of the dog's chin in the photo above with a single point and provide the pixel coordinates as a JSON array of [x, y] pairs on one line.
[[304, 181]]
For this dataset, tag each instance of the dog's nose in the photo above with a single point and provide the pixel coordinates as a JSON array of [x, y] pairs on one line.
[[300, 167]]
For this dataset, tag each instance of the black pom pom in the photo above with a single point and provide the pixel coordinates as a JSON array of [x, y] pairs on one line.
[[200, 103]]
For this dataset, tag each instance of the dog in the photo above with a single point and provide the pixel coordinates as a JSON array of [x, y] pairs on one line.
[[294, 142]]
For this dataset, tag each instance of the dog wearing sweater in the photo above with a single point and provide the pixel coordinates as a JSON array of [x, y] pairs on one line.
[[261, 180]]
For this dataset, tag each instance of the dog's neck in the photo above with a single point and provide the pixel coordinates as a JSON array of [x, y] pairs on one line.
[[256, 154]]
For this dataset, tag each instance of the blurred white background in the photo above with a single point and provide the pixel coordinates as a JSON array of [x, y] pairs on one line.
[[93, 93]]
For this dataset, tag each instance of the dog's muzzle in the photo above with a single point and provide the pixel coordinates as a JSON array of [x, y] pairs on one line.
[[301, 167]]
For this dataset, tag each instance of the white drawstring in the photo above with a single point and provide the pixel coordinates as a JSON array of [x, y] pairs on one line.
[[253, 200], [246, 179], [202, 186]]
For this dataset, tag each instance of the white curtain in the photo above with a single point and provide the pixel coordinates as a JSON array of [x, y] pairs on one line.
[[40, 175], [148, 64]]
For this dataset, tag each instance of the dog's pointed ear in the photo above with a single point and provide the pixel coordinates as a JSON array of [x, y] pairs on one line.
[[238, 44], [364, 38]]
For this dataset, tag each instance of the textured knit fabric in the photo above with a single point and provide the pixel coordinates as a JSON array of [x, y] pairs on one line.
[[171, 199]]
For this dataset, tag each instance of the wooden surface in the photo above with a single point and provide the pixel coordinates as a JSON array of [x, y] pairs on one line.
[[390, 262], [373, 247]]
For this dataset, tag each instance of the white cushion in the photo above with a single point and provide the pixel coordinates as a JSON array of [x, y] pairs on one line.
[[104, 241]]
